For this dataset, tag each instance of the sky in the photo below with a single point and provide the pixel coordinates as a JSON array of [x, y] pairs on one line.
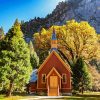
[[24, 10]]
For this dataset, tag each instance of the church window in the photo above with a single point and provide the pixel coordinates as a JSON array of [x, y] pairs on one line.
[[64, 79], [43, 78]]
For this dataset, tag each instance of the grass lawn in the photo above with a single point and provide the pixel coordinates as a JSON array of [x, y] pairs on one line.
[[2, 97], [85, 96], [81, 98]]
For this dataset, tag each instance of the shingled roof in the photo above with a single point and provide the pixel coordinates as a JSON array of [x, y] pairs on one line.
[[33, 77]]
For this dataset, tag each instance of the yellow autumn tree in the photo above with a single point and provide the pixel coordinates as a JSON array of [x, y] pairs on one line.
[[80, 39], [77, 44], [74, 40], [42, 44]]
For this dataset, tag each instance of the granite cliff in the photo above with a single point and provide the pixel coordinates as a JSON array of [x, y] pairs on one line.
[[80, 10]]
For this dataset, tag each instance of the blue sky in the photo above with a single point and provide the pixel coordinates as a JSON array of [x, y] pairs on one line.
[[24, 10]]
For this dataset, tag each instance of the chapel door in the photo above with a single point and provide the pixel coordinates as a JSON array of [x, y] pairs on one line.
[[53, 88]]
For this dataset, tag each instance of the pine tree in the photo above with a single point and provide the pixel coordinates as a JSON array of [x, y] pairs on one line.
[[15, 66], [34, 59], [81, 76], [1, 31], [1, 34]]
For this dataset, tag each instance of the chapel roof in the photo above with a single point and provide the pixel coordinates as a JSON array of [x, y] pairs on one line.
[[54, 35], [33, 77]]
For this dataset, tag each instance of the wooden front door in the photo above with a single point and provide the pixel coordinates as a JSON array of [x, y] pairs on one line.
[[53, 88], [53, 81]]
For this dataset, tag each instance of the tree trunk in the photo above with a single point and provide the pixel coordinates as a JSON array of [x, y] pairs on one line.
[[82, 86], [10, 88], [81, 90]]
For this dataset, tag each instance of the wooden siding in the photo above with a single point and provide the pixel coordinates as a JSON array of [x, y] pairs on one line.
[[60, 67], [32, 87]]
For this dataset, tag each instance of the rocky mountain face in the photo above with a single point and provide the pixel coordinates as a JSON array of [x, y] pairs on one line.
[[80, 10], [88, 10]]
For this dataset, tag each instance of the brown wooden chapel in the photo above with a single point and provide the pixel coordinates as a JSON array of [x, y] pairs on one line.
[[54, 75]]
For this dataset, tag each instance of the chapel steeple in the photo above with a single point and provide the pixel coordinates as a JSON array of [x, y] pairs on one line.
[[53, 40]]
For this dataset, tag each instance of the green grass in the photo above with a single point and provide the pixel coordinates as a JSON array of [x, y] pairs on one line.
[[2, 97], [82, 98], [91, 93], [85, 96]]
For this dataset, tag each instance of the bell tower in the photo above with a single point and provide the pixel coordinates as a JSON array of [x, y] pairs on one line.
[[53, 41]]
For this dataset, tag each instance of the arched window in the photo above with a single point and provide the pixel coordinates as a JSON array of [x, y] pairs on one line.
[[43, 78], [64, 78]]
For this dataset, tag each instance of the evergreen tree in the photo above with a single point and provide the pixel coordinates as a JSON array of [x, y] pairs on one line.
[[81, 76], [1, 31], [1, 34], [34, 59], [15, 66]]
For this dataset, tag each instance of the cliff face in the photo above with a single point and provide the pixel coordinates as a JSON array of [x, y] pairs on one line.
[[88, 10], [80, 10]]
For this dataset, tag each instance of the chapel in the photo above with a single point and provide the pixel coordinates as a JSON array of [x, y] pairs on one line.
[[53, 76]]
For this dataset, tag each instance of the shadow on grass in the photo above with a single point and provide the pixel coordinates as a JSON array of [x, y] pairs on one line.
[[20, 94]]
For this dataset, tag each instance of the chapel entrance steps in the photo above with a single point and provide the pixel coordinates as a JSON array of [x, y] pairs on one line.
[[53, 91]]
